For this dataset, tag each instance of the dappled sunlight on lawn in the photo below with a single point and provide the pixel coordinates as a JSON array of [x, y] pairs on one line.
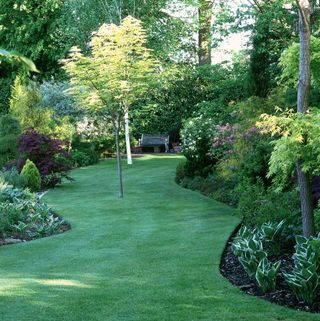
[[10, 284]]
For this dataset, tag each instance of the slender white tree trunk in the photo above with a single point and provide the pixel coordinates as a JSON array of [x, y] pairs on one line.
[[120, 184], [127, 133]]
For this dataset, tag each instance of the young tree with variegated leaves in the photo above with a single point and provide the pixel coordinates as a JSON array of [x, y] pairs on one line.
[[114, 76]]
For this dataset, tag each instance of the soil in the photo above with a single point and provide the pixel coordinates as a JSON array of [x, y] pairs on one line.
[[231, 269]]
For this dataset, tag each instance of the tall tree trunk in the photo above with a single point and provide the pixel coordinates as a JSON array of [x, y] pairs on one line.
[[127, 134], [304, 179], [205, 11], [120, 184]]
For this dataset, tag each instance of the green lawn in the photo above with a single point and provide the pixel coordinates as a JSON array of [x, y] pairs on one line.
[[151, 256]]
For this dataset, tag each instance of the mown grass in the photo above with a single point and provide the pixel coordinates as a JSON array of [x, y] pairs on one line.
[[153, 256]]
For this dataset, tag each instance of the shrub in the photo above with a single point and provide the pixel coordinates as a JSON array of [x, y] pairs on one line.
[[259, 205], [180, 172], [84, 157], [31, 173], [13, 178], [50, 156], [9, 131]]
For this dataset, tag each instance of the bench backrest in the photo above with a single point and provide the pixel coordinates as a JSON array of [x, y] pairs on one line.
[[154, 140]]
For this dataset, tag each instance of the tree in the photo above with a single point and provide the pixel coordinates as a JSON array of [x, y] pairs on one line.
[[170, 36], [128, 62], [205, 10], [25, 105], [113, 76], [304, 179], [31, 28]]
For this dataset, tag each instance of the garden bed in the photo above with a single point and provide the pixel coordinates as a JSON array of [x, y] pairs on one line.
[[15, 238], [231, 269]]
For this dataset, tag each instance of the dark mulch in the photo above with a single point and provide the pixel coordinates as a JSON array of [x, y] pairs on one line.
[[231, 269]]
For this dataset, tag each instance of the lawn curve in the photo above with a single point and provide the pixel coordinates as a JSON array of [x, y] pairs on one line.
[[152, 256]]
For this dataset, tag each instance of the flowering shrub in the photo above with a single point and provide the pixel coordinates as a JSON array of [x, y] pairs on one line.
[[196, 137], [49, 155]]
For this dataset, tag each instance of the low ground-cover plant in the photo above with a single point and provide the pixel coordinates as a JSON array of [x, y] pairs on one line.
[[256, 250], [24, 216], [13, 178], [304, 280], [271, 235], [266, 275], [250, 246]]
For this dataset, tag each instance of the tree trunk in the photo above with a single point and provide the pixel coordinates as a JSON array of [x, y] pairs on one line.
[[304, 179], [127, 133], [120, 184], [205, 8]]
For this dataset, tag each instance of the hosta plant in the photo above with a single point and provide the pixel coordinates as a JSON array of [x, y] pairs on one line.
[[249, 250], [266, 275], [271, 236], [304, 280]]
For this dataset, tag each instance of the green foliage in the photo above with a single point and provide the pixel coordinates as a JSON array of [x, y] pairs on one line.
[[290, 63], [298, 140], [10, 194], [9, 131], [259, 205], [266, 275], [12, 177], [169, 37], [25, 105], [23, 28], [180, 172], [116, 73], [271, 234], [304, 280], [32, 176], [55, 96], [248, 248], [84, 157], [197, 136]]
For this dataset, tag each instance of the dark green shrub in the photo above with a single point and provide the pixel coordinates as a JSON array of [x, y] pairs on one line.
[[31, 173], [80, 158], [259, 205], [9, 131], [13, 178], [180, 172]]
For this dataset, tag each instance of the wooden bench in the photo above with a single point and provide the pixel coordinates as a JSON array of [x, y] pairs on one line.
[[156, 141]]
